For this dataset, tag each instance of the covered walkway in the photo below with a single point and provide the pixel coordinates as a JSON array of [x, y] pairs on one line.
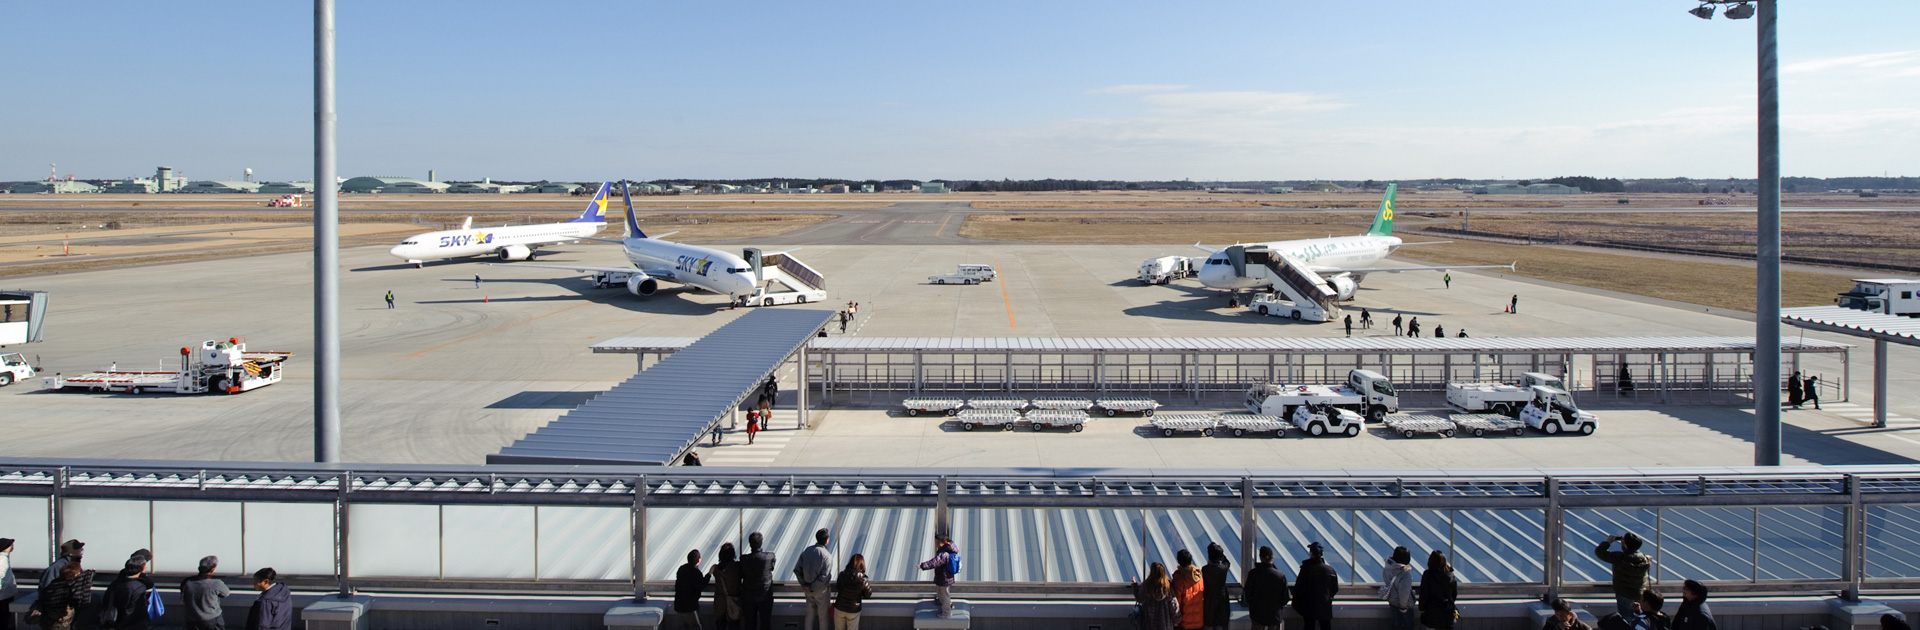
[[1881, 328]]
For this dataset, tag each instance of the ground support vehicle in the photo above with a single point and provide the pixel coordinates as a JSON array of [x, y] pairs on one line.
[[1499, 398], [1170, 424], [1553, 411], [1243, 423], [1412, 425], [223, 367], [1887, 296], [1320, 419], [1062, 402], [937, 404], [1165, 269], [1073, 419], [966, 274], [1483, 424], [285, 201], [13, 367], [1128, 404], [997, 419], [999, 402], [763, 297], [1366, 392]]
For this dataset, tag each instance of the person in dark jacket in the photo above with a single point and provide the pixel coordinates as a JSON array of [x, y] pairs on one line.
[[1264, 591], [1891, 621], [124, 605], [1812, 393], [1563, 617], [1643, 615], [1694, 613], [9, 588], [274, 609], [941, 565], [1218, 607], [851, 588], [726, 589], [62, 600], [1795, 393], [1314, 588], [1439, 588], [1159, 609], [201, 595], [688, 583], [756, 585], [1629, 570]]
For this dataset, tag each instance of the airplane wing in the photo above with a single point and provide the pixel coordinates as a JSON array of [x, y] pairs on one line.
[[603, 240], [661, 274], [1325, 270], [1206, 249]]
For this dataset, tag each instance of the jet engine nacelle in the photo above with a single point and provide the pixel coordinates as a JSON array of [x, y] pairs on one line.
[[1344, 286], [642, 285], [515, 252]]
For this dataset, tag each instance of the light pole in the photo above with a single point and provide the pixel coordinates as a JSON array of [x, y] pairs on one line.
[[1766, 312], [326, 244]]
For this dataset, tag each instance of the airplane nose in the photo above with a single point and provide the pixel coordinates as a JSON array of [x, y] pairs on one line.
[[396, 251]]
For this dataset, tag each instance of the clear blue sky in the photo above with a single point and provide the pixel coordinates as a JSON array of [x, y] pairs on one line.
[[1131, 90]]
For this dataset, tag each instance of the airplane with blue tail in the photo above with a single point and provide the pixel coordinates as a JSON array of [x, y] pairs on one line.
[[514, 242]]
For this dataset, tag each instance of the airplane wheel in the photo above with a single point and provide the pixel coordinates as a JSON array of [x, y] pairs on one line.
[[966, 426]]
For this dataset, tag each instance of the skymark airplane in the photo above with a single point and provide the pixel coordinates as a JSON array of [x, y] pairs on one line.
[[1338, 262], [515, 242]]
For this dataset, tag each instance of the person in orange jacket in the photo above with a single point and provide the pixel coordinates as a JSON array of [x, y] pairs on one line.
[[1190, 589]]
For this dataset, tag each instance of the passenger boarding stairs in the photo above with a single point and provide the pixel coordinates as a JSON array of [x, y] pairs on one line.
[[785, 270], [1301, 285]]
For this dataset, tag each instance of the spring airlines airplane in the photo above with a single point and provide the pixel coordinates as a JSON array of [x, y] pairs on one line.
[[655, 260], [1339, 262], [515, 242]]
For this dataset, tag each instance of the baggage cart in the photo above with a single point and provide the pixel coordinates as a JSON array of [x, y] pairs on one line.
[[996, 419], [998, 401], [1481, 424], [936, 404], [1200, 423], [1073, 419], [1128, 404], [1411, 425], [1062, 402], [1244, 423]]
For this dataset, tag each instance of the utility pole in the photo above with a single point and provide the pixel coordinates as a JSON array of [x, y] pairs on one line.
[[326, 244]]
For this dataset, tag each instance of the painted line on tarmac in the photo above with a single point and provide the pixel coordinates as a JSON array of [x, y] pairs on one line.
[[479, 335], [943, 226], [1002, 278]]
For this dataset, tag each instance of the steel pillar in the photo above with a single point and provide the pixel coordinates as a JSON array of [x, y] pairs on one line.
[[806, 382], [1880, 383], [1766, 347], [326, 244]]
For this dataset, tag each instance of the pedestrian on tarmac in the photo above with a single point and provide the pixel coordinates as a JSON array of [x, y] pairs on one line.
[[1439, 332], [753, 424], [1366, 319], [1396, 325], [476, 281], [1513, 305], [389, 299], [1796, 391], [1447, 278], [1413, 327], [1813, 391], [1349, 325], [1462, 335]]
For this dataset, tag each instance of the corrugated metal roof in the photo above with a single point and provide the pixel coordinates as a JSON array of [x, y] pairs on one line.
[[1547, 345], [659, 413], [1847, 321]]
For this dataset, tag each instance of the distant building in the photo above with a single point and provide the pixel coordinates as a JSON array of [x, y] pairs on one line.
[[132, 185], [555, 187], [866, 188], [215, 186], [287, 188], [933, 188], [485, 186], [380, 184], [60, 187], [837, 188], [415, 186], [1277, 190], [1530, 189]]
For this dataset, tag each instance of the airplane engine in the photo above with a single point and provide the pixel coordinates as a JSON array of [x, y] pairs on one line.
[[1344, 286], [515, 252], [642, 285]]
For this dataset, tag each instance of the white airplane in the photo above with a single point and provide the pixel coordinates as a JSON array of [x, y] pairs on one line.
[[655, 260], [1339, 262], [516, 242]]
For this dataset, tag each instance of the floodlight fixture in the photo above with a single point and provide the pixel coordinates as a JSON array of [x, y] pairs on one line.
[[1738, 12], [1704, 11]]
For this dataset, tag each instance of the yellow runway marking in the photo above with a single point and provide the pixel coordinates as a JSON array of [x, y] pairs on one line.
[[479, 335], [943, 227], [1003, 294]]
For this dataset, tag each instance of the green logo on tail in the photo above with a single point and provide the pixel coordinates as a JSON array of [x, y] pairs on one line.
[[1383, 222]]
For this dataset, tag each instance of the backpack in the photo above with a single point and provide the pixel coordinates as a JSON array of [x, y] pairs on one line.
[[953, 564], [155, 608]]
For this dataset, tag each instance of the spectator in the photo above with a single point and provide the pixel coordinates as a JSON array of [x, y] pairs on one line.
[[688, 583], [1190, 589], [1314, 588], [124, 605], [1644, 614], [753, 422], [814, 574], [756, 585], [945, 558], [1218, 608], [1439, 331], [1462, 335], [1694, 613], [70, 552], [62, 598], [1396, 325], [1439, 588], [726, 590], [1892, 621], [9, 589], [1563, 617], [201, 595], [274, 609], [1397, 579], [1264, 592], [1159, 609], [1629, 570], [692, 459], [854, 588]]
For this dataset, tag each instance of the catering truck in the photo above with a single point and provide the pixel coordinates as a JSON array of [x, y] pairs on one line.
[[1165, 269], [1889, 296], [1499, 398]]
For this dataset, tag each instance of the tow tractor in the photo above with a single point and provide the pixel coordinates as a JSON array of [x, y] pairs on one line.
[[1499, 398], [223, 367], [1319, 419], [1553, 411], [1366, 392], [13, 367]]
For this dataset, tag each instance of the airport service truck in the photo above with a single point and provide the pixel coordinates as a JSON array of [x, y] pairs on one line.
[[1499, 398], [1165, 269], [13, 367], [1553, 411], [1888, 296], [220, 367], [966, 274], [1366, 392]]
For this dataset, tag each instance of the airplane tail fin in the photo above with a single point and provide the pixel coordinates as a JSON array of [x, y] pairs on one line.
[[1383, 222], [633, 224], [597, 209]]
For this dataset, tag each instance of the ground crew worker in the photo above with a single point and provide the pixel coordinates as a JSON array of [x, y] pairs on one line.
[[1447, 278], [1366, 319], [476, 281], [1439, 332], [389, 299], [1349, 325], [1396, 325], [1513, 306]]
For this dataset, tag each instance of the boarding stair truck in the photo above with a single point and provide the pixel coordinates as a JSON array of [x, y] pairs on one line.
[[1165, 269], [1308, 296], [220, 367], [1319, 419], [966, 274], [1553, 411], [13, 367], [802, 283], [1888, 296], [1499, 398], [1366, 392]]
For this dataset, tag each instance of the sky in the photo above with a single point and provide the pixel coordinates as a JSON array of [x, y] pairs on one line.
[[1227, 90]]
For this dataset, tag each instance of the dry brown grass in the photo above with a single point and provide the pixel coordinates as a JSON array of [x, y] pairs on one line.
[[1846, 236], [517, 203], [1406, 200], [1159, 227]]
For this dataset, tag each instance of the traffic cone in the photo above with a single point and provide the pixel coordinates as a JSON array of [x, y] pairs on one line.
[[488, 299]]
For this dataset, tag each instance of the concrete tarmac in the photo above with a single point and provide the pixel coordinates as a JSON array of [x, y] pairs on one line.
[[455, 372]]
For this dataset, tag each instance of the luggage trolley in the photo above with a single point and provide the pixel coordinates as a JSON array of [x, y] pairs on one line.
[[1410, 425], [1481, 424], [1062, 403], [1000, 402], [949, 406], [1200, 423], [1128, 404], [998, 419], [1073, 419], [1244, 423]]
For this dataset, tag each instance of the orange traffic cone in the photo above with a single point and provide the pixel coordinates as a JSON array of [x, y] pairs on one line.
[[487, 299]]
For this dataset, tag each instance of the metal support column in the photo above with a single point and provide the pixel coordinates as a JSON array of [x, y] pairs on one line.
[[639, 539], [1555, 535], [1879, 383], [56, 515], [343, 535], [326, 244], [1247, 531], [1766, 313], [1853, 560], [806, 382]]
